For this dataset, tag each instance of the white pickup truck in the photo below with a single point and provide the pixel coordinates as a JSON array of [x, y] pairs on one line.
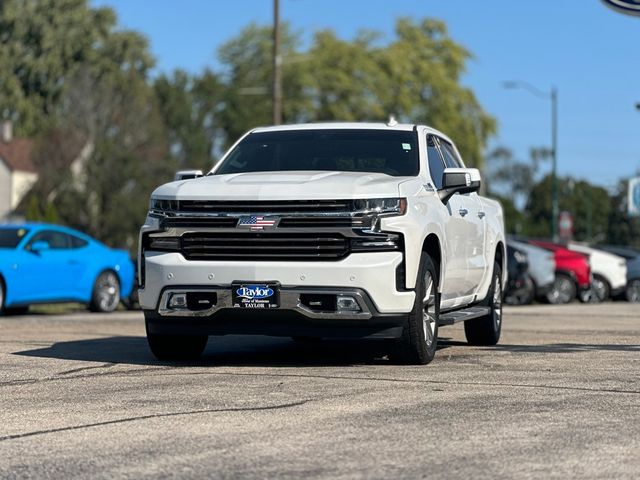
[[325, 230]]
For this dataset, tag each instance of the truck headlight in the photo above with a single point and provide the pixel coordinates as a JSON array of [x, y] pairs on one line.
[[387, 207], [160, 206], [161, 244]]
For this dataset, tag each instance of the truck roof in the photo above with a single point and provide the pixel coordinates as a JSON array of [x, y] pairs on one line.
[[348, 125]]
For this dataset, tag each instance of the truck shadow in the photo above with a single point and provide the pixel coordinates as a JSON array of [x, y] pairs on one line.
[[223, 351], [273, 352], [546, 348]]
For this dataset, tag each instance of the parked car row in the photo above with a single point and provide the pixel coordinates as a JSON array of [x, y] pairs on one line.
[[560, 273], [42, 263]]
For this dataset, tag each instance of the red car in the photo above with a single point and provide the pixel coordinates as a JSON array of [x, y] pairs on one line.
[[573, 274]]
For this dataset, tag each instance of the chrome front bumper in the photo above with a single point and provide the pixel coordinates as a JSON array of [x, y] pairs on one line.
[[289, 300]]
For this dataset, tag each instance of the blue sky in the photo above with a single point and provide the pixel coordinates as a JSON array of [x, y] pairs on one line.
[[588, 51]]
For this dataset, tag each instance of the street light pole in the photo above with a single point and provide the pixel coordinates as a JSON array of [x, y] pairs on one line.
[[277, 64], [553, 96]]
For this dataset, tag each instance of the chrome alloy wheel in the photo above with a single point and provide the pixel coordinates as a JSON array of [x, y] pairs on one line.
[[633, 291], [429, 310], [599, 290], [562, 291], [496, 303], [108, 292]]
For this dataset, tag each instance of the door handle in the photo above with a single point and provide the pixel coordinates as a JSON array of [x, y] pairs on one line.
[[463, 211], [481, 214], [73, 262]]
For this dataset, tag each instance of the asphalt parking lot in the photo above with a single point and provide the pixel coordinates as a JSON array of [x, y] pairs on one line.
[[82, 397]]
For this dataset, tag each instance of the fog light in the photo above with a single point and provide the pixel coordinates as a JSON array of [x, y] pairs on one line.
[[178, 300], [347, 304]]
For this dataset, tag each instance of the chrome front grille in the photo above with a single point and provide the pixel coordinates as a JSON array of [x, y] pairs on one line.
[[271, 207], [303, 230], [264, 246]]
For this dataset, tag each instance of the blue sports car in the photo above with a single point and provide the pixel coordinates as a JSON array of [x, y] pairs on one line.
[[42, 263]]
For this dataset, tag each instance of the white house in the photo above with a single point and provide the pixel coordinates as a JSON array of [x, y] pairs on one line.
[[17, 173]]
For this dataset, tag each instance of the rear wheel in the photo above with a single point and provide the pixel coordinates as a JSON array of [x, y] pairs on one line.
[[563, 290], [486, 330], [106, 293], [176, 347], [419, 340], [633, 291]]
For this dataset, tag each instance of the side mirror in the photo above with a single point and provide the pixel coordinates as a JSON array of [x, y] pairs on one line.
[[187, 174], [459, 180], [37, 247]]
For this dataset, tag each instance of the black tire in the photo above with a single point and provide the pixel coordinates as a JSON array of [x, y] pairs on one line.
[[2, 296], [600, 288], [588, 295], [17, 310], [106, 293], [563, 291], [306, 340], [486, 330], [176, 347], [130, 302], [633, 291], [419, 340], [523, 295]]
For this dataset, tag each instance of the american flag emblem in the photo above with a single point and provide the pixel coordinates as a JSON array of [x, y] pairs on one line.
[[256, 222]]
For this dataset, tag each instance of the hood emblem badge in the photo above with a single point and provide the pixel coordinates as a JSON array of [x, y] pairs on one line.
[[258, 222]]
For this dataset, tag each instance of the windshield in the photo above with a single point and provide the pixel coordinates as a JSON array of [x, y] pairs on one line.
[[10, 237], [380, 151]]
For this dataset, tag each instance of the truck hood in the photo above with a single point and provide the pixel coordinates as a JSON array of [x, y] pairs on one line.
[[301, 185]]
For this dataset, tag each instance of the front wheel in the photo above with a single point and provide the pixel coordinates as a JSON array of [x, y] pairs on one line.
[[523, 295], [563, 290], [633, 291], [601, 289], [1, 296], [486, 330], [106, 293], [419, 340], [176, 347]]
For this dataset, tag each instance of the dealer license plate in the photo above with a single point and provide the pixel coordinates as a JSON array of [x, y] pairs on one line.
[[255, 295]]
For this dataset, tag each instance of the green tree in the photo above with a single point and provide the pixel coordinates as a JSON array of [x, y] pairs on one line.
[[246, 74], [511, 180], [109, 145], [43, 43], [588, 204], [190, 106], [347, 79], [425, 66], [415, 77]]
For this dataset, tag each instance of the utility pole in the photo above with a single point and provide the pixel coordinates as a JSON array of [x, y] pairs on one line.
[[554, 158], [277, 66]]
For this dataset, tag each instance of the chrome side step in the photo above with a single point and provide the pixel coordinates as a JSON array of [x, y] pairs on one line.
[[449, 318]]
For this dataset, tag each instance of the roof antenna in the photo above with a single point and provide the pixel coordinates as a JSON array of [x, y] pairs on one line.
[[392, 122]]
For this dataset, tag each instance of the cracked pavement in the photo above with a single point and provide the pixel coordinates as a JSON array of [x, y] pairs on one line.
[[559, 397]]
